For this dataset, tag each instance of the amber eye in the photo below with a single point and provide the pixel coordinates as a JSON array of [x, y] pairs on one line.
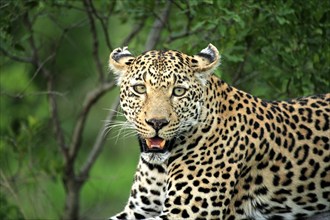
[[179, 91], [140, 89]]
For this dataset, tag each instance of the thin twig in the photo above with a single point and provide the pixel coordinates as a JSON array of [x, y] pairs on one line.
[[66, 5], [186, 32], [41, 93], [35, 57], [99, 143], [103, 25], [33, 173], [91, 98], [96, 57], [40, 67], [53, 108], [65, 29], [14, 57], [52, 100], [178, 36], [5, 183], [136, 29]]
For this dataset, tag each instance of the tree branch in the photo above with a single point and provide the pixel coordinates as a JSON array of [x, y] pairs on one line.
[[35, 57], [40, 66], [96, 57], [136, 29], [98, 145], [55, 118], [159, 23], [91, 98], [186, 32], [20, 95], [103, 25], [14, 57]]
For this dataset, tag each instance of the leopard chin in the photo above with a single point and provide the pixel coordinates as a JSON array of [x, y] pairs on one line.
[[156, 158]]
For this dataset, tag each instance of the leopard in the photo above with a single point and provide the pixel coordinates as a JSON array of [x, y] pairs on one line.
[[211, 151]]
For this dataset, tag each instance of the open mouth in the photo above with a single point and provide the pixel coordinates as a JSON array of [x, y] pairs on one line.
[[155, 145]]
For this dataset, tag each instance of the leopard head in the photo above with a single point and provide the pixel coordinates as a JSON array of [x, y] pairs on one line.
[[162, 94]]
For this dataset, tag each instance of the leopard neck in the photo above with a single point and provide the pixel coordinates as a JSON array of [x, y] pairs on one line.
[[220, 101], [221, 110]]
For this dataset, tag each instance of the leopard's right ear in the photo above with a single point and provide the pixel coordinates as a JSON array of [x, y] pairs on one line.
[[119, 61]]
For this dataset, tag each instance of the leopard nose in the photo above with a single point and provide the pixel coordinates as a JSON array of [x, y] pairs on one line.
[[157, 124]]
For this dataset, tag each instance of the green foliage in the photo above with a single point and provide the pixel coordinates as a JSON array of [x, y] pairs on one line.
[[7, 210], [272, 49], [282, 45]]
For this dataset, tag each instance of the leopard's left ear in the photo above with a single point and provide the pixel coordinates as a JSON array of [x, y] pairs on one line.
[[204, 63], [119, 61]]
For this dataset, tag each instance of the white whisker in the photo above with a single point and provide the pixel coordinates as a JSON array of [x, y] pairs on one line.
[[118, 113], [123, 129]]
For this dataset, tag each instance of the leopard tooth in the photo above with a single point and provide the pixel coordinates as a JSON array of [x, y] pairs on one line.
[[148, 143], [162, 144]]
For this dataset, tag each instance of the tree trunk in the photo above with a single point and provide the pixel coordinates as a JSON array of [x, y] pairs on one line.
[[71, 211]]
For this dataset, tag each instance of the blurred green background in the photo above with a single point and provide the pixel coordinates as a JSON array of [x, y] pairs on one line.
[[56, 89]]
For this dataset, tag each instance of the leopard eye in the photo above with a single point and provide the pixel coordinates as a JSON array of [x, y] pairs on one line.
[[179, 91], [140, 89]]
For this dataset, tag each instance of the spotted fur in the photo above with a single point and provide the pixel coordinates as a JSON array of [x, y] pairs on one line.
[[229, 155]]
